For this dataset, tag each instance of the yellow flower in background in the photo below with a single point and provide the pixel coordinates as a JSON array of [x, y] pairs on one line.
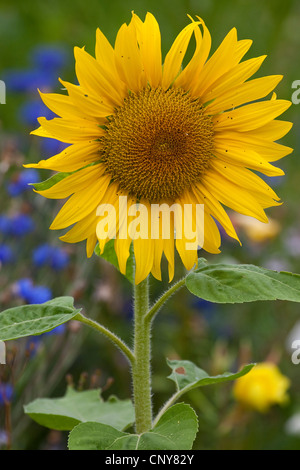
[[173, 134], [255, 230], [262, 387]]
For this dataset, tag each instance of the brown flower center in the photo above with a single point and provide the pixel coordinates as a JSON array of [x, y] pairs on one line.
[[157, 144]]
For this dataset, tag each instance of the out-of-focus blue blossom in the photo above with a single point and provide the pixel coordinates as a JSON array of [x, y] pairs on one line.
[[6, 393], [49, 57], [21, 224], [51, 147], [28, 81], [32, 294], [4, 438], [60, 259], [6, 254], [30, 111], [47, 255], [41, 255], [58, 330], [22, 182], [24, 287], [5, 225], [39, 295]]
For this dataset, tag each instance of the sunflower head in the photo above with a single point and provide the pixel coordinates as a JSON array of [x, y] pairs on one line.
[[156, 143]]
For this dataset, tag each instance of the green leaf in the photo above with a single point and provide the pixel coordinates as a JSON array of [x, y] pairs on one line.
[[176, 430], [48, 183], [35, 319], [225, 283], [188, 376], [79, 407], [109, 255]]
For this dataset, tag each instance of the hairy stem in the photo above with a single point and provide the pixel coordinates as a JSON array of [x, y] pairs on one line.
[[141, 373], [160, 302]]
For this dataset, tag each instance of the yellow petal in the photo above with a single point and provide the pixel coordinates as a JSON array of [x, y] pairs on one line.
[[73, 183], [244, 93], [128, 58], [243, 156], [251, 116], [81, 230], [176, 54], [214, 208], [72, 158], [157, 257], [61, 105], [233, 196], [194, 67], [80, 204], [105, 56], [94, 107], [235, 76], [143, 252], [122, 249], [93, 78], [149, 39], [90, 245], [219, 63], [270, 151], [244, 178], [69, 131], [273, 130]]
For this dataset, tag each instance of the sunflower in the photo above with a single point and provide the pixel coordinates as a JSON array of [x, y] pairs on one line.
[[153, 136]]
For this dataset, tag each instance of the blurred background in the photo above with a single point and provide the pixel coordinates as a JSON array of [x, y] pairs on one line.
[[37, 40]]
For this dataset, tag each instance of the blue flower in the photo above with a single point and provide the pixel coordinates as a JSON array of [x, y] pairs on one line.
[[21, 224], [28, 81], [24, 287], [5, 225], [30, 111], [52, 146], [49, 57], [58, 330], [33, 294], [21, 184], [6, 393], [6, 254], [41, 255], [39, 295], [52, 256], [60, 259]]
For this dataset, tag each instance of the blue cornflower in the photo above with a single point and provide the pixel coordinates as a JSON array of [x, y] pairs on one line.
[[21, 224], [39, 295], [52, 256], [60, 259], [27, 81], [51, 147], [22, 182], [49, 57], [58, 330], [30, 111], [24, 287], [41, 255], [5, 225], [6, 393], [6, 254]]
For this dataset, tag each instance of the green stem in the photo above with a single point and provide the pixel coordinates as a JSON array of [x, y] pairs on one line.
[[141, 374], [105, 331], [160, 302]]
